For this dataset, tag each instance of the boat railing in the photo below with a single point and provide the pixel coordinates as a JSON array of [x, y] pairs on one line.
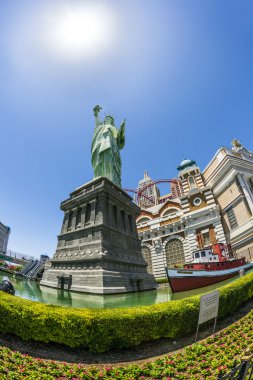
[[247, 253]]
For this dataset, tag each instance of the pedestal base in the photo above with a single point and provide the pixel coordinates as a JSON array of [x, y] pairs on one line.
[[99, 282], [98, 249]]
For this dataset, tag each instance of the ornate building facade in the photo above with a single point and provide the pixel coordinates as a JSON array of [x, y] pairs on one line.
[[230, 175], [213, 206]]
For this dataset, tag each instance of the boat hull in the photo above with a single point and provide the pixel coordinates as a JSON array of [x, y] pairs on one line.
[[182, 280]]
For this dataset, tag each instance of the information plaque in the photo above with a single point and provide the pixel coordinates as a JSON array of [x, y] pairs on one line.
[[209, 307]]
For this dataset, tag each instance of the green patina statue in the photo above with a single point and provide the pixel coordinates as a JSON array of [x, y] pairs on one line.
[[106, 144]]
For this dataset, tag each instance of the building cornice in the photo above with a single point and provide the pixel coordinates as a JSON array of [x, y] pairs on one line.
[[229, 161], [201, 212], [212, 160]]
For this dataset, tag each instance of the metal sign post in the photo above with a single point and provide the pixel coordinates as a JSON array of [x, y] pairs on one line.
[[209, 307]]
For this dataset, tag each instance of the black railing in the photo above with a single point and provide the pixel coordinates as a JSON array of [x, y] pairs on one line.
[[20, 256], [243, 371]]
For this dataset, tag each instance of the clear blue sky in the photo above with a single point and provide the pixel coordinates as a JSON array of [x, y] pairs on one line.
[[179, 71]]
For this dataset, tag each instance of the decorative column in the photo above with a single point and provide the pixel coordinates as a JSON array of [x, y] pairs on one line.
[[190, 237], [101, 214], [246, 191], [219, 232], [158, 257], [187, 249], [248, 188]]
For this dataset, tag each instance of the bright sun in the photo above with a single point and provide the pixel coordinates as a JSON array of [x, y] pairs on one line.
[[81, 31]]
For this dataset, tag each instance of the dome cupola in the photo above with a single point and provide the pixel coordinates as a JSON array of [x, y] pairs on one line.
[[185, 164]]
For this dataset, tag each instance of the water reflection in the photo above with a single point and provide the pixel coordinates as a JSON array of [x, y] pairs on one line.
[[33, 291], [75, 299]]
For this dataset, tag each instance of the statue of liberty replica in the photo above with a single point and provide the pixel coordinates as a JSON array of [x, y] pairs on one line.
[[105, 149], [98, 248]]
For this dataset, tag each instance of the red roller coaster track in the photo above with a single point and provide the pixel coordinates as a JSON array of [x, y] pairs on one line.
[[140, 192]]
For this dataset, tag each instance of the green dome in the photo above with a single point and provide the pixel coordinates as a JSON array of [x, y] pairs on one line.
[[186, 164]]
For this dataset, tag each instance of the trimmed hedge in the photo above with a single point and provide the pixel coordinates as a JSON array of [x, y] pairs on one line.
[[102, 330], [207, 359], [162, 281]]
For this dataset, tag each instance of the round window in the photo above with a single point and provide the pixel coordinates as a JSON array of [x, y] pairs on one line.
[[197, 201]]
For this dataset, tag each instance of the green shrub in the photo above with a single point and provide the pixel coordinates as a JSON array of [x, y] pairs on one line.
[[161, 280], [101, 330], [207, 359]]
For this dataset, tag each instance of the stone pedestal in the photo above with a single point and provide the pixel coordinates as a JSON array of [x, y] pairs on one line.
[[98, 248]]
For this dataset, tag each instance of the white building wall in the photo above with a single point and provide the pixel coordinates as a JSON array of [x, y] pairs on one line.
[[158, 258], [220, 236], [159, 263], [188, 247], [191, 243]]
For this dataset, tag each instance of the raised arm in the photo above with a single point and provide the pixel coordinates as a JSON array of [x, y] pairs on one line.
[[96, 111]]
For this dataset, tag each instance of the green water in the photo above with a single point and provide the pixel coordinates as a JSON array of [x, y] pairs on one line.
[[31, 290]]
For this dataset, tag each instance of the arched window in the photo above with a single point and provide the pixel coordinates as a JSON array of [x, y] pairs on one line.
[[170, 211], [142, 220], [147, 257], [191, 181], [174, 252]]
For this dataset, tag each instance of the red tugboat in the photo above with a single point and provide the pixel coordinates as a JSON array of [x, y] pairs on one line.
[[208, 267]]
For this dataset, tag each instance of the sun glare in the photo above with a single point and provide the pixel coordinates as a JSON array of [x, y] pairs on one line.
[[81, 31]]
